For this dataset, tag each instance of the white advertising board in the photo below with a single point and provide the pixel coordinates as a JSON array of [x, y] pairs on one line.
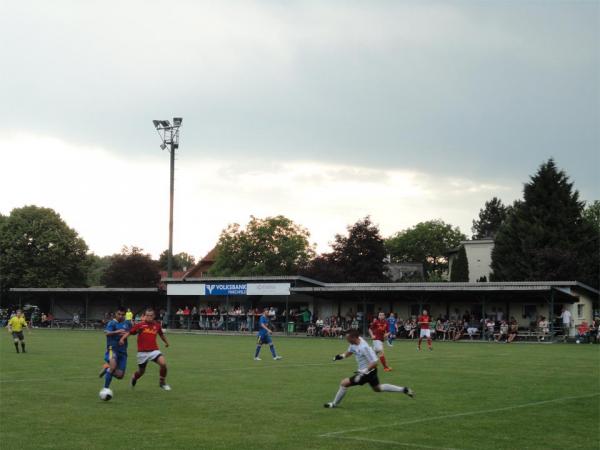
[[268, 289], [185, 289]]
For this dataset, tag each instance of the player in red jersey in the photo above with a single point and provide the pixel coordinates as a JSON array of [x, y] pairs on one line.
[[379, 331], [148, 350], [423, 322]]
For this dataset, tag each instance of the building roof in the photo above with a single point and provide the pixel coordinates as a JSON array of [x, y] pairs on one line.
[[469, 242], [203, 265], [176, 274], [89, 290], [507, 286], [307, 285]]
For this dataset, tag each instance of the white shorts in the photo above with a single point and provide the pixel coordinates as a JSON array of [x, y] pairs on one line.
[[425, 333], [377, 346], [144, 357]]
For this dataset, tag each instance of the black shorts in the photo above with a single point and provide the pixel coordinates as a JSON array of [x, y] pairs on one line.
[[358, 380], [18, 335]]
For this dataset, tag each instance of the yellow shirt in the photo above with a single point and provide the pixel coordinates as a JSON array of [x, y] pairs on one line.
[[129, 316], [17, 323]]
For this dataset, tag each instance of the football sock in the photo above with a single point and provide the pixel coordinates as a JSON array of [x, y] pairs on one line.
[[420, 340], [429, 343], [104, 370], [272, 347], [107, 378], [392, 388], [340, 395], [257, 351], [383, 361], [17, 346], [137, 375], [163, 374], [23, 346]]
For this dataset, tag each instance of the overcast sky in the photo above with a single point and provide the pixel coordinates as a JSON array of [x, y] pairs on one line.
[[322, 111]]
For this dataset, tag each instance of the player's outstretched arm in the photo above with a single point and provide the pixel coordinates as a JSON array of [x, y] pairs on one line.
[[341, 356]]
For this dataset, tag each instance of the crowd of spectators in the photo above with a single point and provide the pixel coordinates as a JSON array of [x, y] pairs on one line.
[[236, 318], [491, 328], [455, 328], [31, 313]]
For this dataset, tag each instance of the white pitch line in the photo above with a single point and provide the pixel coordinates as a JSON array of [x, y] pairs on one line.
[[405, 444], [452, 416]]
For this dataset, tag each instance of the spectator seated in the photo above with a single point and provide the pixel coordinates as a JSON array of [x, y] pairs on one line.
[[583, 332]]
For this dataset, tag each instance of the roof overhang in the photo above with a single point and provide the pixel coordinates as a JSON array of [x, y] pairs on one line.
[[88, 290]]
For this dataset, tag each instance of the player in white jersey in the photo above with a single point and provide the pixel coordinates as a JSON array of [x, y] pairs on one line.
[[367, 370]]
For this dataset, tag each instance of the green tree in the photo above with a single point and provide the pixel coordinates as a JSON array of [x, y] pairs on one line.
[[38, 249], [97, 265], [270, 246], [324, 268], [460, 266], [131, 268], [546, 236], [427, 243], [181, 261], [361, 254], [491, 217], [590, 262], [591, 214]]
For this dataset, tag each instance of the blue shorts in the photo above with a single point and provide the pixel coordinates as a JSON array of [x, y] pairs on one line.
[[121, 358], [264, 339]]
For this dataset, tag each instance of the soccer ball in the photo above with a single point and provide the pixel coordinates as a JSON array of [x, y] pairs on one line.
[[105, 394], [577, 341]]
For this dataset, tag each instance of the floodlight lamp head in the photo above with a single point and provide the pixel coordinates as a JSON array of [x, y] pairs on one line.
[[163, 146], [177, 121], [165, 123], [156, 123]]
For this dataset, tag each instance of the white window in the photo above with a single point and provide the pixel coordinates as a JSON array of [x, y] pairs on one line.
[[580, 311]]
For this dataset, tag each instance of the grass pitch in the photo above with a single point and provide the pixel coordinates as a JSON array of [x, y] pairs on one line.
[[468, 396]]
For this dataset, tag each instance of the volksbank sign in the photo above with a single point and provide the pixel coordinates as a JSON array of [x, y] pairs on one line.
[[224, 289]]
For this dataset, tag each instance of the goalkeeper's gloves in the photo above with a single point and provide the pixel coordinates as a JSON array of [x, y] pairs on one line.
[[338, 357]]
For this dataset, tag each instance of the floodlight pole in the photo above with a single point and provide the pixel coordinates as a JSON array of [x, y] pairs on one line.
[[171, 197], [169, 135]]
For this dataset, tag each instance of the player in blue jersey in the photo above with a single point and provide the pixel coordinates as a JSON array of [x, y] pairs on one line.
[[116, 354], [393, 328], [264, 336]]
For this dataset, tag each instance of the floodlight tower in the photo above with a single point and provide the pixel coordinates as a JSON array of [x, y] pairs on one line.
[[169, 135]]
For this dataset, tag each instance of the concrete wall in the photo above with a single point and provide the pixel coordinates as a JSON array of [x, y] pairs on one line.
[[479, 255]]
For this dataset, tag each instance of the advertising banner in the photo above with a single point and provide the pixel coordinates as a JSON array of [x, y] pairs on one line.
[[224, 289]]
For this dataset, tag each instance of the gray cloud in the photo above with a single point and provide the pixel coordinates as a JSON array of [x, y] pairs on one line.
[[482, 90]]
